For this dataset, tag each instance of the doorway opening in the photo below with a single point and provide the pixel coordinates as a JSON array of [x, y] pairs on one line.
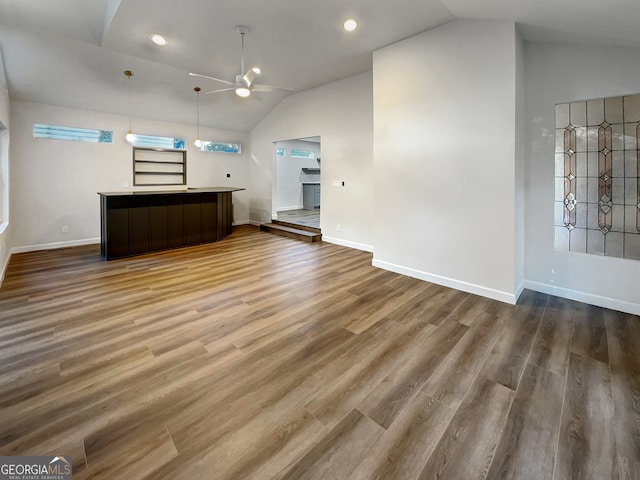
[[297, 181]]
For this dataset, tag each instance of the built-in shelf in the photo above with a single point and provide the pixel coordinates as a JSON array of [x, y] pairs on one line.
[[310, 170], [160, 163], [155, 166]]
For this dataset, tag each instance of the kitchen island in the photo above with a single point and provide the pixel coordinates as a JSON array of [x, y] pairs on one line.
[[134, 223]]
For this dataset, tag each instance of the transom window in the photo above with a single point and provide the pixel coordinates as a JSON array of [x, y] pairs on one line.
[[77, 134], [302, 153], [153, 141], [211, 146]]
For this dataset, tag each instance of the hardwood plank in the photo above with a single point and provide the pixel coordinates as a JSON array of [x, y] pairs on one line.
[[112, 455], [343, 387], [623, 335], [335, 388], [471, 307], [453, 377], [277, 453], [467, 447], [589, 333], [450, 301], [245, 449], [388, 303], [509, 356], [77, 409], [340, 451], [529, 442], [552, 343], [419, 306], [398, 388], [240, 389], [586, 447], [405, 447]]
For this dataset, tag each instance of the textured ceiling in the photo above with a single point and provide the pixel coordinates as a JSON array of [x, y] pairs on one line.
[[73, 52]]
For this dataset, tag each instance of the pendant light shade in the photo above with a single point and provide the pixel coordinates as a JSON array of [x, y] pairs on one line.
[[130, 135], [198, 142]]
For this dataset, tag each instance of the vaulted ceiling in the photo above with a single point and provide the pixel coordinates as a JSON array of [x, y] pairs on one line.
[[73, 52]]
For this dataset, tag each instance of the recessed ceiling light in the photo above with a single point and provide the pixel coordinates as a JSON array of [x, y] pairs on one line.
[[158, 39], [350, 25]]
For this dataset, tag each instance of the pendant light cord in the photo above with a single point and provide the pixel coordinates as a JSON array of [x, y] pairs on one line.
[[198, 142], [198, 112], [129, 74], [129, 103]]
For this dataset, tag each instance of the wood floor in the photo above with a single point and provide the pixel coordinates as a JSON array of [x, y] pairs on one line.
[[309, 218], [261, 357]]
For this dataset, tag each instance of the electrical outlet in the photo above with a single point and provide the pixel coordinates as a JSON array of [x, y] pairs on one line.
[[338, 227], [65, 229]]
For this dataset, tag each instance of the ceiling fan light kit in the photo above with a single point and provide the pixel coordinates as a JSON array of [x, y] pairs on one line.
[[243, 92], [244, 82]]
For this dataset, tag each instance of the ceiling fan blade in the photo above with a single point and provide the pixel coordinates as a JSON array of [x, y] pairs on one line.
[[220, 90], [270, 88], [211, 78]]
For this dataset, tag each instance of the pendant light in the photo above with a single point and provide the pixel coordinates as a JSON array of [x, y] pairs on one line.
[[130, 136], [198, 142]]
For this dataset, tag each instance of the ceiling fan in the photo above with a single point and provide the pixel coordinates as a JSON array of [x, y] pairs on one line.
[[244, 81]]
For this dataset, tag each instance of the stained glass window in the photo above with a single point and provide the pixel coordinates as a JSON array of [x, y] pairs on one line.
[[597, 177]]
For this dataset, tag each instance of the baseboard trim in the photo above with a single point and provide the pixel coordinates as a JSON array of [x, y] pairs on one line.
[[255, 223], [499, 295], [52, 246], [4, 268], [347, 243], [591, 299], [519, 290], [287, 209], [242, 222]]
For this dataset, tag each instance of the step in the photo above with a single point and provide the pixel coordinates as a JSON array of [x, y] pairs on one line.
[[286, 231], [297, 226]]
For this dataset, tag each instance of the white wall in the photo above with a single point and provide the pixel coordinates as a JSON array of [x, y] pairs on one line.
[[520, 168], [557, 74], [444, 156], [5, 226], [341, 114], [290, 176], [55, 183]]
